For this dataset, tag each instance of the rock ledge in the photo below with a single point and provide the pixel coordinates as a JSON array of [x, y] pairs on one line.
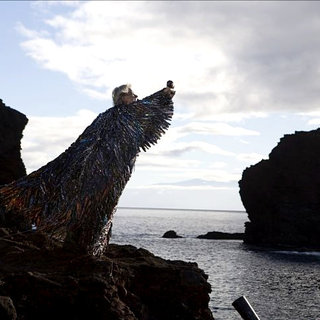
[[41, 280]]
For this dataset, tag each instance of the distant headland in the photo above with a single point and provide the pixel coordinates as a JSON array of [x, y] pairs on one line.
[[282, 194]]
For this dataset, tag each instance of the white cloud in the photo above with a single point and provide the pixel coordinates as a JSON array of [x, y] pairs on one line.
[[208, 128], [251, 158], [173, 174], [227, 199], [229, 56], [40, 5], [29, 33], [184, 147], [315, 121], [197, 184], [175, 149], [47, 137], [181, 187], [230, 117], [217, 165], [170, 142], [151, 161], [315, 113], [96, 94]]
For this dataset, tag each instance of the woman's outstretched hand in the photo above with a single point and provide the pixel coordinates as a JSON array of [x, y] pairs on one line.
[[169, 89]]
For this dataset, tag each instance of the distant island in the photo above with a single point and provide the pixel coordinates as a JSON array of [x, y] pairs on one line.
[[181, 209], [217, 235]]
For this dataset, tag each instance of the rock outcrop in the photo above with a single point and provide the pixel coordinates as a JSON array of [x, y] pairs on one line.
[[41, 280], [12, 123], [171, 234], [282, 194], [216, 235]]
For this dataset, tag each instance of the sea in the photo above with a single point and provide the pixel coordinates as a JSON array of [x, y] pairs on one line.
[[280, 285]]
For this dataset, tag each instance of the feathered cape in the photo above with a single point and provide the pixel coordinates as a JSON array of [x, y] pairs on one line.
[[74, 196]]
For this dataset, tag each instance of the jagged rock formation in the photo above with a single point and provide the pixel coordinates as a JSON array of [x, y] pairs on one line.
[[282, 195], [41, 280], [12, 123]]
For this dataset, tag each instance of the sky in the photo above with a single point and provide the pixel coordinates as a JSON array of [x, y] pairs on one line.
[[245, 72]]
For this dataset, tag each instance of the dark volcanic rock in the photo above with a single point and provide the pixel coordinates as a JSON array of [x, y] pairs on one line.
[[216, 235], [12, 124], [282, 195], [171, 234], [45, 281], [7, 309]]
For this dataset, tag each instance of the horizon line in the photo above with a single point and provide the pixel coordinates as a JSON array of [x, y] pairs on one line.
[[180, 209]]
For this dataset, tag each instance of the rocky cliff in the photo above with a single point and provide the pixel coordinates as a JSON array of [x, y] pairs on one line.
[[41, 280], [282, 194], [12, 124]]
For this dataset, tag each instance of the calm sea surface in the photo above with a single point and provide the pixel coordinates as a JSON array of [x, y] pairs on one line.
[[280, 285]]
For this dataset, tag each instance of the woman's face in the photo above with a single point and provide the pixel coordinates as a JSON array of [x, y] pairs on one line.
[[129, 97]]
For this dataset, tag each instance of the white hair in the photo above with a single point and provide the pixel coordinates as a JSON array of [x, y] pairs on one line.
[[118, 91]]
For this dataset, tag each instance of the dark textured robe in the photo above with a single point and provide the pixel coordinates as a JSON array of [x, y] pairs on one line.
[[74, 196]]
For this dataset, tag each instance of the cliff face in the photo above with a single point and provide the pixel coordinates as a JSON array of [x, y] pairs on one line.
[[282, 195], [41, 280], [12, 124]]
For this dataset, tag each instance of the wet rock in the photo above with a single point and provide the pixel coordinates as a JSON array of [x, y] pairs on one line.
[[12, 123], [282, 194], [216, 235], [171, 234]]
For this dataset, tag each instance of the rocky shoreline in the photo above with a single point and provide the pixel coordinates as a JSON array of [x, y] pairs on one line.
[[41, 280]]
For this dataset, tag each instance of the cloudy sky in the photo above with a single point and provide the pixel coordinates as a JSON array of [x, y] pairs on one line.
[[246, 73]]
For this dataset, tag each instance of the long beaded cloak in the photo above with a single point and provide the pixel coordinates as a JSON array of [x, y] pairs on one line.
[[74, 196]]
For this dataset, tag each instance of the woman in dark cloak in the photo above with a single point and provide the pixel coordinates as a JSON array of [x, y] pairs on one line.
[[73, 198]]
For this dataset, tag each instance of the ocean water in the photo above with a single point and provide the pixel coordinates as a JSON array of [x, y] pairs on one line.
[[280, 285]]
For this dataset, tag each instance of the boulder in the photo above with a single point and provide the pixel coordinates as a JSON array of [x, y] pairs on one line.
[[46, 281], [171, 234], [216, 235], [282, 194], [12, 123]]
